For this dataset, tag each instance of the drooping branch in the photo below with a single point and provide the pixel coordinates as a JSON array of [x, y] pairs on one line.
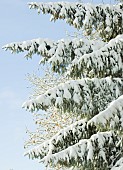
[[59, 53], [62, 139], [82, 129], [112, 116], [79, 57], [68, 136], [106, 61], [99, 151], [85, 96], [106, 19]]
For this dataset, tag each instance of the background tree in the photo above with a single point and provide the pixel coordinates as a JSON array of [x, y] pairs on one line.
[[50, 122], [93, 91]]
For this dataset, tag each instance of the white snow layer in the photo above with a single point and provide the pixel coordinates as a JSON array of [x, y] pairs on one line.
[[72, 133], [118, 165], [112, 115], [88, 96], [103, 18], [60, 53], [83, 150], [104, 61], [80, 130], [80, 57]]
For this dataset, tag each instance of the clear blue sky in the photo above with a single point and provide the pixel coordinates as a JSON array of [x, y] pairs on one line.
[[18, 23]]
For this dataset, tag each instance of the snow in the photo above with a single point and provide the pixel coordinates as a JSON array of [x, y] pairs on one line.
[[90, 17], [73, 129], [88, 97], [79, 130], [111, 115], [63, 149], [58, 53], [104, 61], [118, 165], [82, 148], [80, 93]]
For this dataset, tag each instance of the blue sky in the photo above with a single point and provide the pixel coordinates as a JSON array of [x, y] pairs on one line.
[[18, 23]]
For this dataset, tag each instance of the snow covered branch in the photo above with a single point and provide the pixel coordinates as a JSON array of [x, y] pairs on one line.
[[82, 129], [40, 46], [80, 57], [106, 61], [85, 96], [106, 19], [59, 53], [112, 116], [118, 165], [64, 138], [90, 153]]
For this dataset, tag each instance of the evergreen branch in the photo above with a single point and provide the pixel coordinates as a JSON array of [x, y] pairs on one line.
[[85, 96], [112, 116], [106, 61], [59, 53], [65, 137], [106, 19], [96, 152]]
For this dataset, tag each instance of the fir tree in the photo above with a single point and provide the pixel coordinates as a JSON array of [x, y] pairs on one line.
[[94, 89]]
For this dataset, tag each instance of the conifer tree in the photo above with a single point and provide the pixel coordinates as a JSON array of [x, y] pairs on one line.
[[94, 89]]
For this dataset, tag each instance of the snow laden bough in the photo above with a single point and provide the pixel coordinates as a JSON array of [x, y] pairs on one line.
[[111, 117], [64, 138], [77, 57], [88, 153], [75, 145], [106, 19], [85, 96], [106, 61], [59, 53]]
